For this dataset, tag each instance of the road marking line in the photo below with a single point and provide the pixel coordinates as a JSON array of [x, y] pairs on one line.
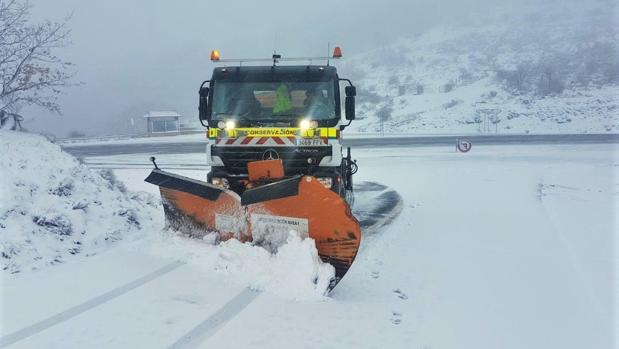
[[81, 308], [213, 323]]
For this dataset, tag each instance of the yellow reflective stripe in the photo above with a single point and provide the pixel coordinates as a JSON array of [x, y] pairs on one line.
[[307, 133], [212, 132], [268, 132], [328, 132], [323, 132]]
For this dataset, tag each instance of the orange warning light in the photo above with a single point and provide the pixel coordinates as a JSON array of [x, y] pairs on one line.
[[337, 52], [214, 55]]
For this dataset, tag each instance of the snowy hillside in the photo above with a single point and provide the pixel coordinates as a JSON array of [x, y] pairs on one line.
[[535, 71], [52, 207]]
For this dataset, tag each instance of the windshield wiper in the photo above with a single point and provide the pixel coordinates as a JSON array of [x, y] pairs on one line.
[[225, 114], [252, 122], [264, 122], [277, 115]]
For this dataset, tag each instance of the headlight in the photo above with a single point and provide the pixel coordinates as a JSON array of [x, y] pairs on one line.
[[306, 124], [221, 125], [220, 182], [326, 181], [230, 125]]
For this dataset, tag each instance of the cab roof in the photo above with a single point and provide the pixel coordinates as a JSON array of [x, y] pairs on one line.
[[276, 73]]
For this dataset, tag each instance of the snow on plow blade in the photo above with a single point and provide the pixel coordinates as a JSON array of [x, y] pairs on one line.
[[321, 214], [198, 208], [300, 203]]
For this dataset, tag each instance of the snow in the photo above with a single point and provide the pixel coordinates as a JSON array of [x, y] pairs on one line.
[[54, 208], [132, 139], [481, 258], [162, 114], [502, 247], [156, 313], [294, 271]]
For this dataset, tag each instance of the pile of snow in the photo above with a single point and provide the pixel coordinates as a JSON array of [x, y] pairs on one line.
[[551, 68], [53, 208], [293, 271]]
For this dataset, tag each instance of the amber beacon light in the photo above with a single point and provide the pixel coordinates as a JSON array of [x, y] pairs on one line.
[[214, 55], [337, 52]]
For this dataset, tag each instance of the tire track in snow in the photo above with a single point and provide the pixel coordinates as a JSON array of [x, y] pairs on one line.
[[40, 326], [213, 323]]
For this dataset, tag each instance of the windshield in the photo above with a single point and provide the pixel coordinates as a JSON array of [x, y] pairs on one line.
[[273, 101]]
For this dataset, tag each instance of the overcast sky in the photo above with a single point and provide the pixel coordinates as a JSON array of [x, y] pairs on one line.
[[141, 55]]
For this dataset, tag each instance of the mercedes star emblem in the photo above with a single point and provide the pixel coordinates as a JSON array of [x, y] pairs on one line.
[[270, 154]]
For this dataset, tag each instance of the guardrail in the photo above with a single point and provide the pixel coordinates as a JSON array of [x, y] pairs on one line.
[[85, 140], [483, 139], [413, 141]]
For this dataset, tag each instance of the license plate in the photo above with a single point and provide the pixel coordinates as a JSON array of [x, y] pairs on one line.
[[310, 142]]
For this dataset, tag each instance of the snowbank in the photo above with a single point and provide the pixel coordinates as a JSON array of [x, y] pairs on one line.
[[53, 208]]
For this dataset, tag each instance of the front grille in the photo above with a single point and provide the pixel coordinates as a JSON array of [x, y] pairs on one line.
[[235, 159]]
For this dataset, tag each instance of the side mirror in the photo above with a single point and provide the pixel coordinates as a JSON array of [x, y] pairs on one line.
[[350, 91], [349, 103], [203, 103], [349, 106]]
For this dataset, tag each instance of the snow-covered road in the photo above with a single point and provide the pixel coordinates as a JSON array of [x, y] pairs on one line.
[[503, 247]]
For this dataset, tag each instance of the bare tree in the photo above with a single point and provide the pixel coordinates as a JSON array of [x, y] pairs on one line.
[[30, 72], [515, 80], [17, 119], [521, 74]]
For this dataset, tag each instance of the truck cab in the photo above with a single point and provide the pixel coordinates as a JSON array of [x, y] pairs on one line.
[[292, 113]]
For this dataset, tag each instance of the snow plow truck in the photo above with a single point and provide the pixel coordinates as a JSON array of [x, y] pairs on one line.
[[276, 158]]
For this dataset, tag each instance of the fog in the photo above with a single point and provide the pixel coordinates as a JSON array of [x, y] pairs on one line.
[[137, 56]]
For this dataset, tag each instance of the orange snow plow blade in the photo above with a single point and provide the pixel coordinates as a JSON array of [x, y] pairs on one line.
[[197, 208], [301, 204], [319, 212]]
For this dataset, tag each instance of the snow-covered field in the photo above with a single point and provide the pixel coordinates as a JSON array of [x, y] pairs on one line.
[[503, 247]]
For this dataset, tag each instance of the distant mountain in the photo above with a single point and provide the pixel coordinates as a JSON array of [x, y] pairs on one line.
[[548, 69]]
